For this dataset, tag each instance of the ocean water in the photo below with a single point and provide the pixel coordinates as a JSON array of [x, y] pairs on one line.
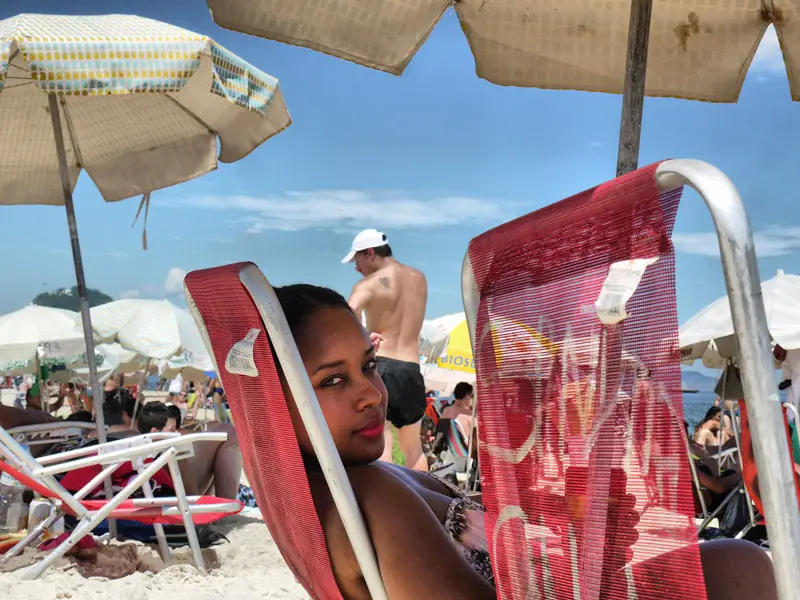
[[695, 407]]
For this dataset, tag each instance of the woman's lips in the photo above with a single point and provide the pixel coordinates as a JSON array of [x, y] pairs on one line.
[[373, 429]]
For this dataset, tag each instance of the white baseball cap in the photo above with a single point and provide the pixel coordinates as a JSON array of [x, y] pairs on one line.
[[369, 238]]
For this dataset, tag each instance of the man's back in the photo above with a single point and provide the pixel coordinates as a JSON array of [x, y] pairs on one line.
[[397, 295]]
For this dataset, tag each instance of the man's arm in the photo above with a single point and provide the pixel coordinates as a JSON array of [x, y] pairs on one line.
[[359, 298]]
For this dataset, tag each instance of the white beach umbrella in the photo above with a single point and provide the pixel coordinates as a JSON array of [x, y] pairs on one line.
[[138, 104], [153, 329], [709, 334], [52, 333]]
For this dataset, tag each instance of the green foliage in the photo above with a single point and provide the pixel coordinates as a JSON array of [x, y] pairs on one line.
[[68, 298], [397, 455]]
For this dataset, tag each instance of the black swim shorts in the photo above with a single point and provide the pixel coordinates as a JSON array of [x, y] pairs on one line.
[[406, 388]]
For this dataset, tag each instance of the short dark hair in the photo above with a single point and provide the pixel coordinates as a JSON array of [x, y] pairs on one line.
[[175, 413], [81, 416], [154, 415], [385, 251], [128, 403], [463, 389], [112, 409]]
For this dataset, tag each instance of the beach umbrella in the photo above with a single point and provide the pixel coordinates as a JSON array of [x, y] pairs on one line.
[[690, 49], [709, 335], [40, 332], [138, 104], [453, 352], [154, 329], [510, 340], [112, 359]]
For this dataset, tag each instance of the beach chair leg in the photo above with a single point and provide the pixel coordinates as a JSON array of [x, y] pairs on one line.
[[744, 531], [183, 504], [89, 521], [31, 537], [147, 490], [83, 528]]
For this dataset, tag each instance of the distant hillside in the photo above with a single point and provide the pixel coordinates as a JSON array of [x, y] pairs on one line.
[[68, 298], [697, 381]]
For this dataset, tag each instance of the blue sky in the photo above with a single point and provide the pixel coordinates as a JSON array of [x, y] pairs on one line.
[[456, 154]]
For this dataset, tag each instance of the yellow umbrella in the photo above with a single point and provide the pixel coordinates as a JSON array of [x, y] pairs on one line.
[[510, 339], [457, 355]]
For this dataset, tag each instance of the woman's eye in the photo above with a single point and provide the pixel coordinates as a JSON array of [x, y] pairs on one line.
[[335, 380], [371, 365]]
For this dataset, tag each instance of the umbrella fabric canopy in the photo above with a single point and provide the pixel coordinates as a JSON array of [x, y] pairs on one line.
[[154, 329], [455, 352], [698, 50], [432, 341], [510, 340], [143, 104], [709, 334], [112, 359], [445, 353], [54, 333], [138, 104]]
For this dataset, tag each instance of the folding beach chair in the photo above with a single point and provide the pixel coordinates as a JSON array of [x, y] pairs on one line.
[[242, 322], [58, 433], [149, 454], [600, 266], [749, 468]]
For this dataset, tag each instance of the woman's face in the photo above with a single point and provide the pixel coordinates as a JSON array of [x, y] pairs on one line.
[[340, 361]]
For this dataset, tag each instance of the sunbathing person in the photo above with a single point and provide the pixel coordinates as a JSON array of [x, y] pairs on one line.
[[707, 432], [419, 525], [215, 466]]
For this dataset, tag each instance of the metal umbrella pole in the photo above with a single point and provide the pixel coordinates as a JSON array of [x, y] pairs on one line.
[[86, 318], [630, 131]]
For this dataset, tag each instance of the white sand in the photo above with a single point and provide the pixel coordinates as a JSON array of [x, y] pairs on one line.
[[250, 566]]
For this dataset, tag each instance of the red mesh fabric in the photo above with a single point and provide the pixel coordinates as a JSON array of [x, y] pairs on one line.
[[583, 464], [74, 481], [749, 470], [271, 455]]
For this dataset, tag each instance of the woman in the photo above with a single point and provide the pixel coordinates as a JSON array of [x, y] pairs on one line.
[[429, 541], [707, 431]]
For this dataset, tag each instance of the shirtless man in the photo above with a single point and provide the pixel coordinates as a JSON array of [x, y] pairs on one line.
[[393, 296]]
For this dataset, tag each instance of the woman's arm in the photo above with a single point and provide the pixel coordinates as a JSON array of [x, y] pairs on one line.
[[416, 556]]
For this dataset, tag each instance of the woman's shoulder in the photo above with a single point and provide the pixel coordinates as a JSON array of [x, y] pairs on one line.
[[380, 489]]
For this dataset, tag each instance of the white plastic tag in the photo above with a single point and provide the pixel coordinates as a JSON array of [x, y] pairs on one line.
[[621, 282], [240, 359]]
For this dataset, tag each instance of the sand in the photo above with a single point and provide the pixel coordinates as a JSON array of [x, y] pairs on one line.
[[250, 566]]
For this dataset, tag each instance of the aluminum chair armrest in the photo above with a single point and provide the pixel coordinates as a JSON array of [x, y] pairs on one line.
[[124, 454], [47, 427], [144, 440], [123, 443]]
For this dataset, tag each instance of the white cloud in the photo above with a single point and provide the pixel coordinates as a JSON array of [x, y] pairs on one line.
[[174, 283], [127, 294], [348, 210], [119, 254], [595, 144], [771, 242], [769, 56]]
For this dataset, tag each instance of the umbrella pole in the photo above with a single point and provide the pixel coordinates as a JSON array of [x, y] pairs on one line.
[[97, 391], [630, 131]]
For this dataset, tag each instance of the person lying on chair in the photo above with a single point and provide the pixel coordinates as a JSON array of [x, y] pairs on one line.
[[429, 540], [215, 466]]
